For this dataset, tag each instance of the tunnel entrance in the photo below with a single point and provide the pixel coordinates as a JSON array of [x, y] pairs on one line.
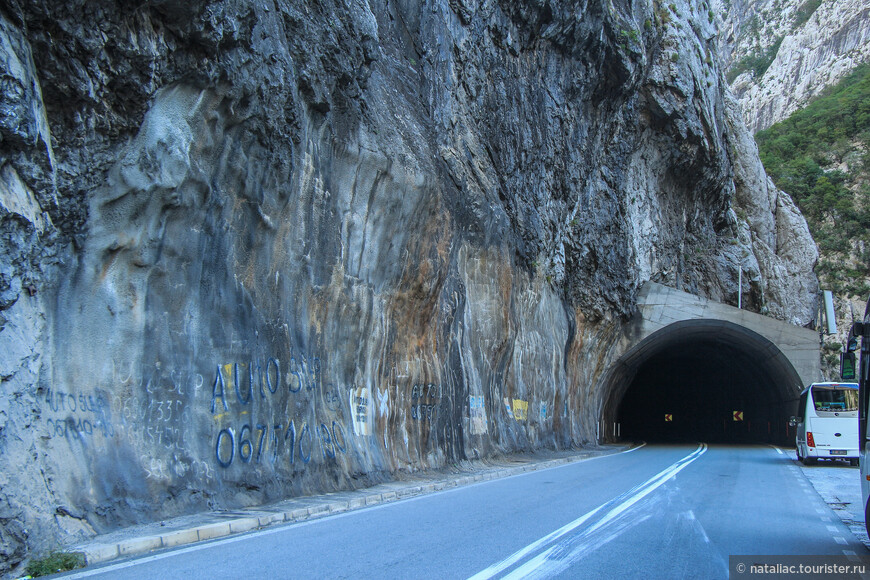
[[703, 380]]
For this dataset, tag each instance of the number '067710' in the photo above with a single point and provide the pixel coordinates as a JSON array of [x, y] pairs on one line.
[[258, 443]]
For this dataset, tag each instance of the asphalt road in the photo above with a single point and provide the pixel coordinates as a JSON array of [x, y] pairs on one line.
[[653, 512]]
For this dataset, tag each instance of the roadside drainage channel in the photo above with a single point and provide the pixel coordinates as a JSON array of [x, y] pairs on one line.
[[208, 526]]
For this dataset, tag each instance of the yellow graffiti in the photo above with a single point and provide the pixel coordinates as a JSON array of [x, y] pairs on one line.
[[228, 374], [521, 409]]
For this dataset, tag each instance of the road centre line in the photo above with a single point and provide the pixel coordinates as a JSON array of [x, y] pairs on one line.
[[623, 502], [171, 553]]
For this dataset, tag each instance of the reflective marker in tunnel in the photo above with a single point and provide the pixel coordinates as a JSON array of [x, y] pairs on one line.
[[696, 373]]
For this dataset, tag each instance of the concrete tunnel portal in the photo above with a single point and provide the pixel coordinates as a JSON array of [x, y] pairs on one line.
[[686, 382]]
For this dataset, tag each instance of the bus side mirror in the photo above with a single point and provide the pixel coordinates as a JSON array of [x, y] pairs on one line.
[[847, 365], [792, 421], [853, 344]]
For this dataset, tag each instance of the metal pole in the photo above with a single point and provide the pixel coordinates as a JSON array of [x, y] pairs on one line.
[[740, 287]]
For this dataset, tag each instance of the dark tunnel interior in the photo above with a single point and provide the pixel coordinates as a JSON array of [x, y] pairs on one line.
[[707, 381]]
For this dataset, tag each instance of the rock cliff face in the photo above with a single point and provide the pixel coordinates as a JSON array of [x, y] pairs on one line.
[[253, 250], [811, 45]]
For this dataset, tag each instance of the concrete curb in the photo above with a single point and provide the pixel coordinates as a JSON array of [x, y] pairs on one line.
[[98, 551]]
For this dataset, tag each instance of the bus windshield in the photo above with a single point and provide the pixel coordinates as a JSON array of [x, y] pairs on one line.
[[835, 398]]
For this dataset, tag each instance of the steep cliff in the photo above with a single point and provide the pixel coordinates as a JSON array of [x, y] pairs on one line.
[[782, 53], [253, 250]]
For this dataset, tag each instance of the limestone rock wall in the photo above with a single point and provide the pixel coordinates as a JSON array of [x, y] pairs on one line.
[[810, 53], [250, 250]]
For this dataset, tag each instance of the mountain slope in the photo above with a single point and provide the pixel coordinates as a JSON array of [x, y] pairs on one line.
[[821, 155], [779, 54]]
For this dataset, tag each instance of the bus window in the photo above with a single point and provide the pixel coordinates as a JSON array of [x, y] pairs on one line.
[[802, 406], [834, 399]]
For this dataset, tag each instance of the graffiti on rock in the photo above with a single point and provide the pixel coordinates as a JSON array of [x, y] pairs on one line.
[[384, 403], [259, 388], [425, 401], [361, 411], [251, 444], [85, 415], [477, 412], [521, 409]]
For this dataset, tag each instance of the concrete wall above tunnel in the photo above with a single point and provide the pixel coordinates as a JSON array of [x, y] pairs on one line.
[[660, 306], [698, 361]]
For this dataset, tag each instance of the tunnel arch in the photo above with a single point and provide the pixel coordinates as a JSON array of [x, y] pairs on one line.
[[700, 372]]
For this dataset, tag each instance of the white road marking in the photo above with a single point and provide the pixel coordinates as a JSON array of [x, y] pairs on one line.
[[632, 449], [170, 553], [833, 529], [628, 499], [840, 540]]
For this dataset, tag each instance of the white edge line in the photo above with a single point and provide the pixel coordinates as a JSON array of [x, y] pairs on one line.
[[278, 527], [630, 450]]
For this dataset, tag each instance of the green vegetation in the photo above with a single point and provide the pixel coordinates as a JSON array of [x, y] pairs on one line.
[[56, 562], [804, 12], [821, 156], [757, 63], [627, 38]]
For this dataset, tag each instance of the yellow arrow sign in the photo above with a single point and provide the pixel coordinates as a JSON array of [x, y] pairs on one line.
[[738, 415], [668, 417]]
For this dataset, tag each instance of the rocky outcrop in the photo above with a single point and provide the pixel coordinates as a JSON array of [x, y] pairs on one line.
[[809, 54], [253, 250]]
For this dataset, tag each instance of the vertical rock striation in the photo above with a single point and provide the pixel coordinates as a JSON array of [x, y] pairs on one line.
[[254, 250], [798, 47]]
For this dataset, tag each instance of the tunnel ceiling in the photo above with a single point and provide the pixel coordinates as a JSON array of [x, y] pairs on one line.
[[700, 372]]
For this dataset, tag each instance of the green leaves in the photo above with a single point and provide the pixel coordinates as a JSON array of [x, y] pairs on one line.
[[806, 154], [758, 63]]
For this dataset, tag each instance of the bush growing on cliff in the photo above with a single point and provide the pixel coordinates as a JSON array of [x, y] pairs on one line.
[[56, 562], [806, 10], [819, 155], [758, 63]]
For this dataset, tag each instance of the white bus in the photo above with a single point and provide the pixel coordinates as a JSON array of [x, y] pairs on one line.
[[848, 371], [827, 423]]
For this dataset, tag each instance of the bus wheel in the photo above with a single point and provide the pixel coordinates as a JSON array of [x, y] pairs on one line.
[[808, 460]]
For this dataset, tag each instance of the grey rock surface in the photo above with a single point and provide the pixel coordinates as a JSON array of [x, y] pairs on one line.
[[809, 51], [256, 250]]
